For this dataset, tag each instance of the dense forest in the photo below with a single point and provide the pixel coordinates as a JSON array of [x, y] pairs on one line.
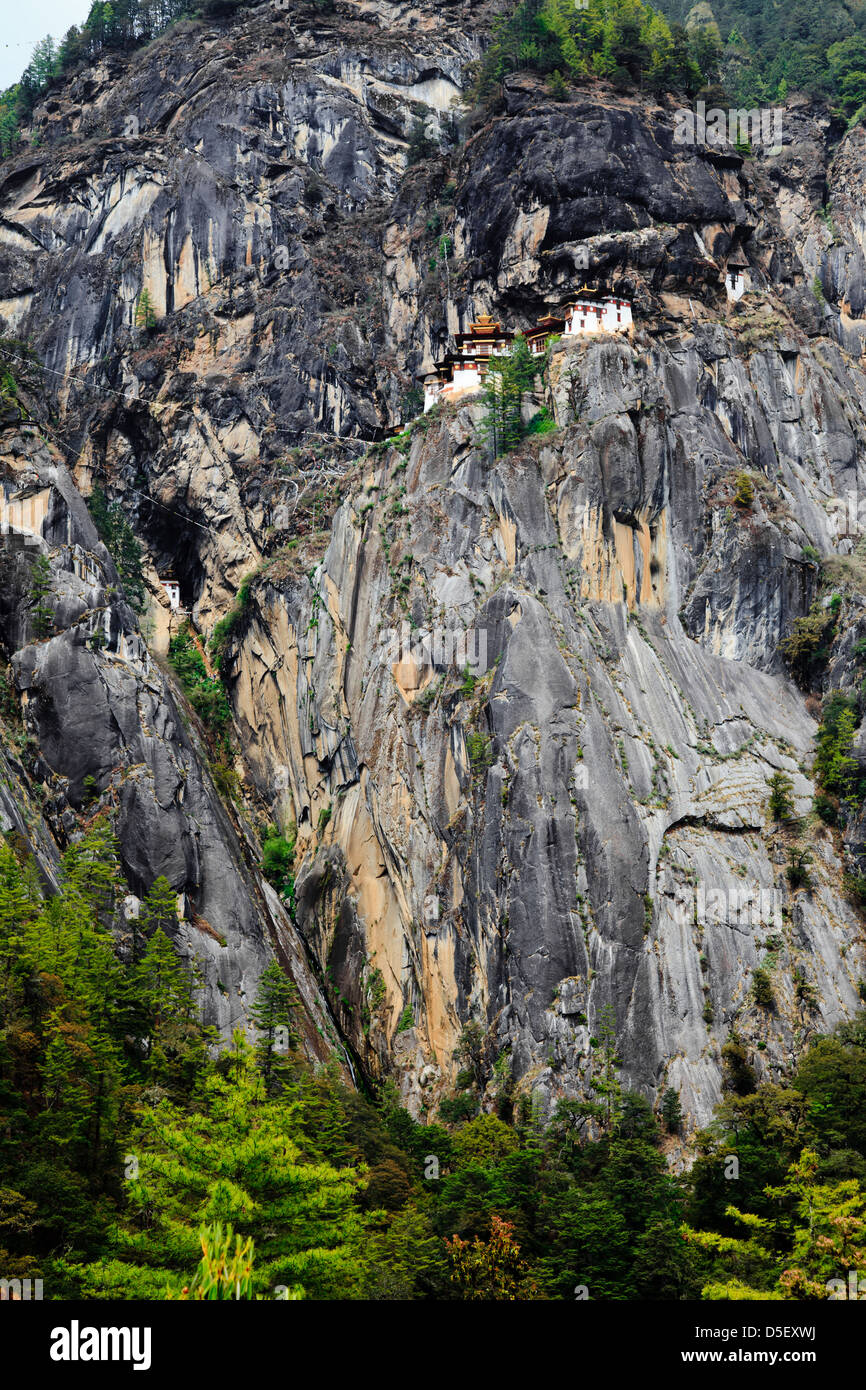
[[771, 49], [136, 1164], [744, 50]]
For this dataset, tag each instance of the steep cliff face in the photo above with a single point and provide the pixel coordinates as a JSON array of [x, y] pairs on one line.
[[98, 729], [218, 171], [580, 820], [589, 819]]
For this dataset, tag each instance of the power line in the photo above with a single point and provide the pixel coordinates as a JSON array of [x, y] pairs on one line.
[[101, 472], [69, 376], [145, 401]]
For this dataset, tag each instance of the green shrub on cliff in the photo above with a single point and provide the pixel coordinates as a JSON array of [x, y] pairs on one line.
[[808, 647], [278, 856], [223, 630], [204, 692], [835, 770], [119, 540]]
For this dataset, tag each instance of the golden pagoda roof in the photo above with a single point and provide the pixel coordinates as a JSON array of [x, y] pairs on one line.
[[586, 292], [484, 329], [545, 325]]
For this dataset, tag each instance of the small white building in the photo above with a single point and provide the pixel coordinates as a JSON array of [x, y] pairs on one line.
[[465, 378], [736, 277], [589, 312], [172, 590]]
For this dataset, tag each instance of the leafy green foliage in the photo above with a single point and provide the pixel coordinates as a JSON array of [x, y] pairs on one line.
[[204, 691], [272, 1012], [624, 40], [110, 25], [236, 1158], [672, 1112], [834, 768], [797, 871], [816, 1232], [739, 1075], [223, 630], [781, 788], [468, 682], [119, 539], [808, 647], [82, 1032], [134, 1164], [9, 128], [145, 313], [480, 750], [542, 422], [421, 147], [509, 375], [769, 50], [744, 493], [847, 60], [762, 989], [278, 856]]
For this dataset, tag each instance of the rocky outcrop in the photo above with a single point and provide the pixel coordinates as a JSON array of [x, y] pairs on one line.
[[589, 818], [523, 712], [102, 730]]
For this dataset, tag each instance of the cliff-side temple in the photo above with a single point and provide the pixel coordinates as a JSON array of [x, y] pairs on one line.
[[462, 372]]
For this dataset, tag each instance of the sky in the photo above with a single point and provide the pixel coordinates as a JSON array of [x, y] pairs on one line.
[[23, 25]]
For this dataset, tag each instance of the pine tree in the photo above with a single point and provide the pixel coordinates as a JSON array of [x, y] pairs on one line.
[[236, 1159], [816, 1234], [159, 908], [91, 867], [672, 1112], [145, 314], [509, 375], [605, 1080], [119, 539], [276, 999], [9, 130], [665, 1266], [164, 1004], [781, 787]]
